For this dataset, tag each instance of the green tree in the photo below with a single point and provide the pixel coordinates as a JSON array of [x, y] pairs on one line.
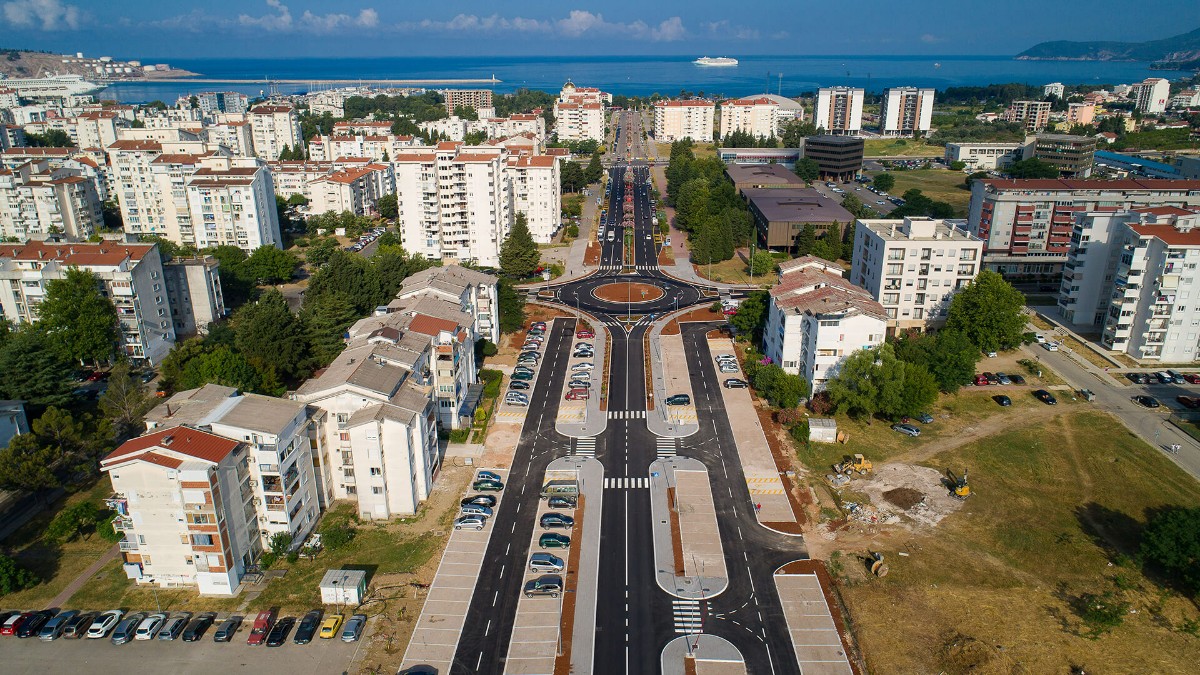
[[692, 207], [34, 368], [806, 240], [346, 273], [13, 577], [1171, 545], [829, 246], [172, 367], [270, 265], [571, 177], [854, 205], [78, 318], [73, 521], [388, 206], [905, 388], [53, 138], [885, 182], [320, 251], [519, 254], [27, 464], [751, 316], [466, 113], [223, 366], [325, 320], [270, 336], [511, 307], [807, 169], [848, 242], [795, 131], [855, 389], [950, 356], [297, 200], [594, 170], [280, 542], [761, 263], [989, 311], [1031, 168], [125, 401]]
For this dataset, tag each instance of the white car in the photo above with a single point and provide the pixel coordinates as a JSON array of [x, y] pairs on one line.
[[1050, 346], [103, 624], [516, 398], [149, 627], [586, 365], [1040, 339]]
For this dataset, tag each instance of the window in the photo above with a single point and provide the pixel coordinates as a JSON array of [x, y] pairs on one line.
[[376, 471], [376, 490], [350, 489], [202, 540], [348, 472]]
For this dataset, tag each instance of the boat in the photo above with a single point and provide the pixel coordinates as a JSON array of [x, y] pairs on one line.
[[54, 86], [722, 61]]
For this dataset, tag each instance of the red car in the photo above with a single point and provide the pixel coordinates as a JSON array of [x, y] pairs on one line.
[[262, 625], [981, 380], [97, 376], [1192, 378], [729, 311], [14, 623], [1189, 401], [584, 335], [577, 395]]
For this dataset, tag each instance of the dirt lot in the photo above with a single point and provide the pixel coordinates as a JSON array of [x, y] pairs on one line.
[[629, 292]]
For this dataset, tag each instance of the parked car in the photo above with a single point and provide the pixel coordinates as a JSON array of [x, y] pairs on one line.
[[1189, 401], [125, 628], [13, 623], [353, 629], [583, 366], [546, 562], [584, 334], [1177, 377], [520, 401], [553, 540], [925, 418], [679, 399], [228, 628], [149, 627], [551, 521], [579, 384], [476, 510], [174, 626], [53, 628], [1164, 378], [329, 627], [484, 474], [518, 385], [472, 522], [1003, 378], [577, 395], [583, 354], [103, 624], [522, 375], [487, 485], [482, 500], [77, 626], [198, 626], [263, 623], [308, 627], [549, 584], [907, 429], [1146, 401], [279, 631], [1039, 338], [1050, 346], [728, 367], [1192, 378], [991, 378], [561, 503], [736, 383], [1045, 397], [1138, 378], [1004, 401], [582, 375], [980, 381], [1017, 379], [32, 627]]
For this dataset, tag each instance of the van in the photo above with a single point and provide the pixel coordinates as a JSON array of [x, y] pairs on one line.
[[611, 236], [560, 488], [262, 625]]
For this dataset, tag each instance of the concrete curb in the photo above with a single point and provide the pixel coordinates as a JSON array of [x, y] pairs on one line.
[[688, 588], [596, 421], [704, 648], [658, 420]]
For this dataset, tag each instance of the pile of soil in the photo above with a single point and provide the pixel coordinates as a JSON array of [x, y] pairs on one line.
[[904, 497]]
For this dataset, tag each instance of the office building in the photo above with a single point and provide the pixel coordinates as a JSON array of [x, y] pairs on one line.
[[782, 156], [816, 319], [745, 176], [1033, 115], [905, 111], [1026, 224], [194, 292], [780, 214], [984, 156], [837, 157], [274, 127], [133, 279], [37, 201], [1151, 95], [212, 102], [839, 110], [677, 120], [914, 266], [1073, 156]]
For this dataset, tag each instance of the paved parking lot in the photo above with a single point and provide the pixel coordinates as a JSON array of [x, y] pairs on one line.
[[33, 657], [445, 610]]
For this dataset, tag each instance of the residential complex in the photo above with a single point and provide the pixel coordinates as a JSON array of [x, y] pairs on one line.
[[817, 318], [1026, 224], [194, 292], [1056, 89], [913, 267], [479, 100], [1151, 95], [676, 120], [579, 113], [839, 110], [761, 116], [37, 201], [1033, 115], [905, 111], [273, 128]]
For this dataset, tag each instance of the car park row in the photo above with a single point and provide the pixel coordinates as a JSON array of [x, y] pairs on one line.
[[365, 240]]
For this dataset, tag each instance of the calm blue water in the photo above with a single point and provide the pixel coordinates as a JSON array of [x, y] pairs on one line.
[[644, 75]]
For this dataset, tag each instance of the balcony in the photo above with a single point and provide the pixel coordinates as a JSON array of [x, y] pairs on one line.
[[122, 524], [275, 503], [272, 484], [128, 545]]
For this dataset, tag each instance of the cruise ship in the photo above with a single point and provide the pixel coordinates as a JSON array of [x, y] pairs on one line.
[[54, 86], [723, 61]]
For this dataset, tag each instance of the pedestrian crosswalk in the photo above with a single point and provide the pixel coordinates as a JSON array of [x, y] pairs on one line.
[[626, 414], [645, 268], [626, 483], [666, 447], [688, 616], [585, 447]]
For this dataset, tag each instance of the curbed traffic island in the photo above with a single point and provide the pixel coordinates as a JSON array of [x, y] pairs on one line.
[[689, 560]]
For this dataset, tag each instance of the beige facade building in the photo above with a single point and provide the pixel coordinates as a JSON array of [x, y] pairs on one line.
[[677, 120], [905, 111], [232, 202], [37, 201], [839, 110], [274, 127], [1033, 115]]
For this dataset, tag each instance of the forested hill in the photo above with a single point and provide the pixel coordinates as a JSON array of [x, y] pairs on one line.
[[1173, 50]]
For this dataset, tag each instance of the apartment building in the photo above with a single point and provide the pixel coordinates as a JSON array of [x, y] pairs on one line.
[[579, 121], [914, 266], [905, 111], [1073, 156], [677, 120], [475, 99], [473, 291], [132, 275], [1056, 89], [1081, 113], [816, 319], [194, 293], [756, 116], [1027, 224], [1033, 115], [235, 135], [231, 201], [984, 156], [535, 188], [274, 127], [1186, 98], [1151, 95], [356, 190], [37, 201], [292, 178], [839, 110], [378, 147]]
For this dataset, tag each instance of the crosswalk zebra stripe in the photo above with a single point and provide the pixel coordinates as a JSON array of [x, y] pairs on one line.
[[626, 483], [585, 447], [626, 414], [666, 447], [688, 616]]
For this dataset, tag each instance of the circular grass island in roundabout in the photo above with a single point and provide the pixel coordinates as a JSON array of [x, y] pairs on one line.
[[628, 292]]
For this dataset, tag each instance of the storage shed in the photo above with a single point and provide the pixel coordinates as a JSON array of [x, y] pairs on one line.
[[343, 587], [822, 430]]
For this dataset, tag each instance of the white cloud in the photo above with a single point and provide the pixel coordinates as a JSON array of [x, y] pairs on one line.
[[670, 30], [575, 24], [47, 15], [930, 39], [281, 20]]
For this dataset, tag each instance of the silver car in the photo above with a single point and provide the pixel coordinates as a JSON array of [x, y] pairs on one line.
[[545, 562]]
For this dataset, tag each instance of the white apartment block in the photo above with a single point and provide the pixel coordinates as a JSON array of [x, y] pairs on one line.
[[185, 508], [1134, 273], [1054, 89], [984, 156], [273, 127], [473, 291], [233, 135], [534, 185], [579, 113], [37, 201], [194, 292], [905, 111], [816, 319], [676, 120], [1034, 115], [1151, 94], [1186, 98], [356, 190], [521, 123], [292, 178], [913, 267], [133, 279], [839, 110], [232, 201], [761, 116], [212, 102]]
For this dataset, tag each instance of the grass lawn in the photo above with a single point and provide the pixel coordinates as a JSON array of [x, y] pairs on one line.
[[942, 185], [893, 147], [1054, 507], [734, 271], [57, 564]]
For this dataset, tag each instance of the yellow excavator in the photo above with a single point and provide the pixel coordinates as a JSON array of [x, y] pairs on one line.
[[856, 464], [959, 486]]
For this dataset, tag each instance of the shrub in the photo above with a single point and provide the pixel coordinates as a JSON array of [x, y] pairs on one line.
[[820, 404], [492, 380], [13, 577], [335, 536], [572, 231], [279, 543], [293, 556], [1101, 613], [460, 435], [789, 416], [266, 560], [489, 349], [800, 433]]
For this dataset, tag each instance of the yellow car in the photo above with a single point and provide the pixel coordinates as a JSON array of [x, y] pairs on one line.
[[329, 629]]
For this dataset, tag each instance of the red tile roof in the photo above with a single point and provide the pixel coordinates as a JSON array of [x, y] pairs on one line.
[[1168, 234], [270, 109], [154, 146], [182, 440], [1056, 184], [80, 255], [429, 325]]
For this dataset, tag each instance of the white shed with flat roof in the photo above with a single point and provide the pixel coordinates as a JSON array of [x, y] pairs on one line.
[[343, 587], [822, 430]]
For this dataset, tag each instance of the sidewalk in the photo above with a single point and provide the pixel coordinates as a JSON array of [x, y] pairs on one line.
[[65, 595], [662, 420], [815, 627], [573, 262], [703, 558]]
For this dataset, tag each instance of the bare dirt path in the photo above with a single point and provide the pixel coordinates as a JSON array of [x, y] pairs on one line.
[[989, 427]]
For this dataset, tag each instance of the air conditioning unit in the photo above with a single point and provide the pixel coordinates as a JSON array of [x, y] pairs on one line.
[[257, 501], [253, 483], [264, 532]]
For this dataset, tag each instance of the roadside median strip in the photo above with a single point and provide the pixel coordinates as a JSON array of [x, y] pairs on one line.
[[688, 556]]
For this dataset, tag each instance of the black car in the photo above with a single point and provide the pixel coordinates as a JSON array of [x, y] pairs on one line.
[[1144, 401], [1016, 379], [556, 520], [198, 626], [561, 503], [480, 500], [518, 385], [736, 383], [1045, 397], [279, 631], [227, 629], [34, 624], [1004, 401], [308, 627]]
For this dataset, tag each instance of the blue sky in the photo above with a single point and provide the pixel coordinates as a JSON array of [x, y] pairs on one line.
[[355, 28]]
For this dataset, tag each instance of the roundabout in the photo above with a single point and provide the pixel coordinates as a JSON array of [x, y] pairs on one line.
[[633, 293]]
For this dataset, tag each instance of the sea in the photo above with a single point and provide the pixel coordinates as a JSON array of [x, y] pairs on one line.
[[639, 75]]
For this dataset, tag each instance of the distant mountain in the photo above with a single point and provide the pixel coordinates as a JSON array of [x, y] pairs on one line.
[[1168, 51]]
